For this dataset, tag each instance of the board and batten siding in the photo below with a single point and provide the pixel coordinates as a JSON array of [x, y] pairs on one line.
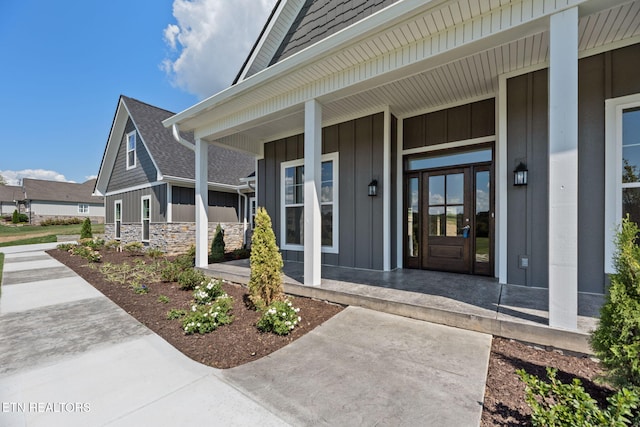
[[132, 205], [608, 75], [360, 146], [223, 206], [144, 172]]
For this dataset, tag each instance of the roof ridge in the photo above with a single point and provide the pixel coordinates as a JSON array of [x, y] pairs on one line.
[[147, 104]]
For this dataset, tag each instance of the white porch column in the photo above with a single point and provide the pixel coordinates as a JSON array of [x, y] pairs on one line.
[[503, 178], [202, 203], [563, 170], [312, 182], [386, 192]]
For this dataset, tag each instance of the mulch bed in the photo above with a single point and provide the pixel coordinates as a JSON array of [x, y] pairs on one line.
[[241, 342]]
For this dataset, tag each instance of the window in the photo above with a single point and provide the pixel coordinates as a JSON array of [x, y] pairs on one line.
[[118, 218], [292, 212], [131, 150], [146, 217], [83, 208], [622, 167], [252, 211]]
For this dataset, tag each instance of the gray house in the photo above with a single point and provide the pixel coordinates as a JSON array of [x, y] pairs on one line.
[[10, 199], [472, 136], [55, 200], [147, 180]]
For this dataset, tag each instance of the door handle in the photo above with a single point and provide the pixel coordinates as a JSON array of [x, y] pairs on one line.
[[465, 231]]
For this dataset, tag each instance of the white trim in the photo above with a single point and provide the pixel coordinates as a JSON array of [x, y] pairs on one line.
[[613, 172], [335, 158], [386, 192], [142, 219], [169, 203], [85, 208], [135, 148], [137, 187], [501, 182], [448, 145], [115, 221]]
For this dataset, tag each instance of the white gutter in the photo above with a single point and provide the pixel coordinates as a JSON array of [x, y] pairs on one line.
[[176, 135]]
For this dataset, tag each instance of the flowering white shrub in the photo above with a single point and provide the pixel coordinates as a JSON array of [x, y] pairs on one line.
[[207, 318], [207, 291], [280, 317]]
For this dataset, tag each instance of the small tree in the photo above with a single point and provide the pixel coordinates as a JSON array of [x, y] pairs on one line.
[[217, 246], [85, 231], [16, 217], [616, 340], [265, 284]]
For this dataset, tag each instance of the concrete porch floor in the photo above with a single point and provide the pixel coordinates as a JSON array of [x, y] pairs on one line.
[[469, 302]]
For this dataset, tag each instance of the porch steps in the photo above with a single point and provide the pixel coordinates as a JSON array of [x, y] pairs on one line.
[[450, 312]]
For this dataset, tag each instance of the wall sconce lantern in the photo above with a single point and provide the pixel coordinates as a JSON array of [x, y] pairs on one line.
[[520, 174], [373, 188]]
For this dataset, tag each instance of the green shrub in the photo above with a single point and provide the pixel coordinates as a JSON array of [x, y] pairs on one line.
[[155, 253], [207, 318], [60, 221], [163, 299], [175, 313], [265, 284], [112, 244], [85, 231], [134, 248], [280, 318], [170, 271], [217, 246], [23, 218], [66, 246], [190, 278], [15, 218], [187, 260], [558, 404], [241, 253], [86, 252], [616, 340], [91, 243], [139, 288], [209, 292]]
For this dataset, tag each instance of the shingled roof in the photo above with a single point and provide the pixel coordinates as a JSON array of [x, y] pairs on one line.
[[173, 159], [315, 21], [56, 191], [10, 193]]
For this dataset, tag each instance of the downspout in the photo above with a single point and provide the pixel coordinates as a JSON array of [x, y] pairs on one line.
[[176, 135]]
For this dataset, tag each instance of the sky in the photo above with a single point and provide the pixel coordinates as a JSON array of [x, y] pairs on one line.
[[64, 64]]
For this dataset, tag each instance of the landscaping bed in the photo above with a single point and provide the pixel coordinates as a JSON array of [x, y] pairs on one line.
[[241, 342]]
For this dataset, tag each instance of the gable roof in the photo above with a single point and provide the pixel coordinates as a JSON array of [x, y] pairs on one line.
[[296, 24], [56, 191], [171, 159], [10, 193]]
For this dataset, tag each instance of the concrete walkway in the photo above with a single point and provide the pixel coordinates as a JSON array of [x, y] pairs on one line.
[[69, 356]]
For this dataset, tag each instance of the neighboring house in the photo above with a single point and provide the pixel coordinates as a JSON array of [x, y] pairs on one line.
[[57, 200], [442, 106], [148, 183], [10, 198]]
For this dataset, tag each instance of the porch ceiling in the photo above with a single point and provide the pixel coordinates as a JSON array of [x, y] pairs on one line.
[[430, 84]]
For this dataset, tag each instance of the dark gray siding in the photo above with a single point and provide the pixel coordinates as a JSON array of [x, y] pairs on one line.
[[467, 121], [132, 205], [360, 144], [527, 135], [144, 172], [183, 205], [608, 75]]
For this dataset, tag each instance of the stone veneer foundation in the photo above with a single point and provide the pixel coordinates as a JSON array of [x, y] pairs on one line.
[[176, 238]]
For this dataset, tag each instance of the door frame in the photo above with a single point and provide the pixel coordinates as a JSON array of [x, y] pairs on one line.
[[485, 268]]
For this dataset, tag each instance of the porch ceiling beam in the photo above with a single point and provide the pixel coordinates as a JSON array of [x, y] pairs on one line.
[[296, 81]]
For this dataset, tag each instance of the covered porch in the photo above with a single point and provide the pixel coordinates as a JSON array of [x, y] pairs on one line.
[[469, 302]]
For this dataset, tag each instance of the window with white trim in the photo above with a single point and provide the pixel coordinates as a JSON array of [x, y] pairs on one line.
[[117, 216], [292, 204], [131, 150], [83, 208], [622, 164], [146, 217]]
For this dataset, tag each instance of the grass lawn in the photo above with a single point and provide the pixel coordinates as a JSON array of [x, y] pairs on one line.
[[31, 234]]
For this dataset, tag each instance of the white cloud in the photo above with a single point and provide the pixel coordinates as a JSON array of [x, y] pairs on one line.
[[211, 40], [15, 177]]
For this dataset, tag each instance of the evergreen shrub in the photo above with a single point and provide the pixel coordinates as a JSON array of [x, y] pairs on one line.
[[217, 246], [265, 284], [85, 231]]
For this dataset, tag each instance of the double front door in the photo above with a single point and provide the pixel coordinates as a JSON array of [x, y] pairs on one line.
[[451, 219]]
